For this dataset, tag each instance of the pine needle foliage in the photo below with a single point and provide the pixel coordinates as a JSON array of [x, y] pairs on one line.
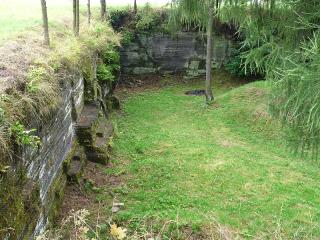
[[283, 41]]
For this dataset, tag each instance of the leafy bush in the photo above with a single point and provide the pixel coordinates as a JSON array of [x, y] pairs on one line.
[[120, 18], [110, 66], [34, 77], [127, 37], [104, 73], [110, 55], [149, 22], [24, 137], [235, 65]]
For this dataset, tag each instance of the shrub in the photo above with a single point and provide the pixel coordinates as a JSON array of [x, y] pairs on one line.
[[24, 137], [120, 18], [108, 69], [104, 73], [110, 55], [127, 37], [235, 65], [148, 22], [34, 77]]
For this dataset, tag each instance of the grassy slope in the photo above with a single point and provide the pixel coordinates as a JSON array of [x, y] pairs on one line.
[[226, 162], [18, 17], [21, 17]]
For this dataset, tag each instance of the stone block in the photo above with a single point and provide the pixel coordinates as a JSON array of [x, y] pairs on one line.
[[143, 70]]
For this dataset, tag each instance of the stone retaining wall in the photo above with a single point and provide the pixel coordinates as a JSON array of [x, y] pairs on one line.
[[164, 53], [41, 174]]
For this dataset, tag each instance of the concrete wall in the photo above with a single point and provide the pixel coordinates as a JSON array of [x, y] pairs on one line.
[[164, 53]]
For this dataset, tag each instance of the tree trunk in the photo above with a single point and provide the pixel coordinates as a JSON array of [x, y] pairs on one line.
[[75, 17], [209, 96], [103, 9], [135, 7], [89, 12], [45, 22]]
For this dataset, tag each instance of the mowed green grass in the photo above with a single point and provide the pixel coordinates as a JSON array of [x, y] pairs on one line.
[[19, 16], [187, 161], [22, 17]]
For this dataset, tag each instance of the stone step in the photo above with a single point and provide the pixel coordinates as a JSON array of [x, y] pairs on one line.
[[76, 165], [99, 151], [85, 126], [94, 133]]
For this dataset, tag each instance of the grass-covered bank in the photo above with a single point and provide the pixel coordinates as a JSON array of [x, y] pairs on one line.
[[35, 83], [186, 162]]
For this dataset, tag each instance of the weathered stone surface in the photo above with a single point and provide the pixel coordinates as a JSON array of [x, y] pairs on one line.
[[86, 124], [94, 133], [44, 165], [39, 175], [76, 165], [165, 53], [143, 70], [99, 151]]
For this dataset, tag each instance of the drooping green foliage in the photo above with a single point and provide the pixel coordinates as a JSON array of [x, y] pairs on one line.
[[296, 96], [283, 44], [280, 42], [109, 67], [191, 13]]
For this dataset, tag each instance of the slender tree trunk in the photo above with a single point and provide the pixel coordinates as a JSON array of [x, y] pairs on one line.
[[74, 16], [89, 12], [77, 17], [209, 96], [103, 9], [135, 7], [45, 22]]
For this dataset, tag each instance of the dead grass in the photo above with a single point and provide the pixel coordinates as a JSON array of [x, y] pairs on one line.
[[16, 58]]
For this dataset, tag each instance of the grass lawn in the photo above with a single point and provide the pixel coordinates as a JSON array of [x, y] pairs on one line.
[[187, 162], [22, 17]]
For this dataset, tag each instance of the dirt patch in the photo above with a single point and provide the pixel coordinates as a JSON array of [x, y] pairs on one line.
[[80, 196], [16, 57], [195, 92], [136, 84], [255, 92], [228, 143]]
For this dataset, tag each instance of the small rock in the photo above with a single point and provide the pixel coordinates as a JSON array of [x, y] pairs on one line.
[[118, 204], [115, 209]]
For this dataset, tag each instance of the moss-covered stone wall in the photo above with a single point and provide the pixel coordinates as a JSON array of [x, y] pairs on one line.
[[32, 190], [165, 53]]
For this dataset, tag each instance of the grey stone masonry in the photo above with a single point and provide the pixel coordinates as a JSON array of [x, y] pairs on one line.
[[164, 53]]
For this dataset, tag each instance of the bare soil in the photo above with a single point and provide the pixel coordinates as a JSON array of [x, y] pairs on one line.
[[77, 197]]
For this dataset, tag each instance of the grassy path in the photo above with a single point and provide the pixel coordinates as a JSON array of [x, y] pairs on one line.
[[227, 162]]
